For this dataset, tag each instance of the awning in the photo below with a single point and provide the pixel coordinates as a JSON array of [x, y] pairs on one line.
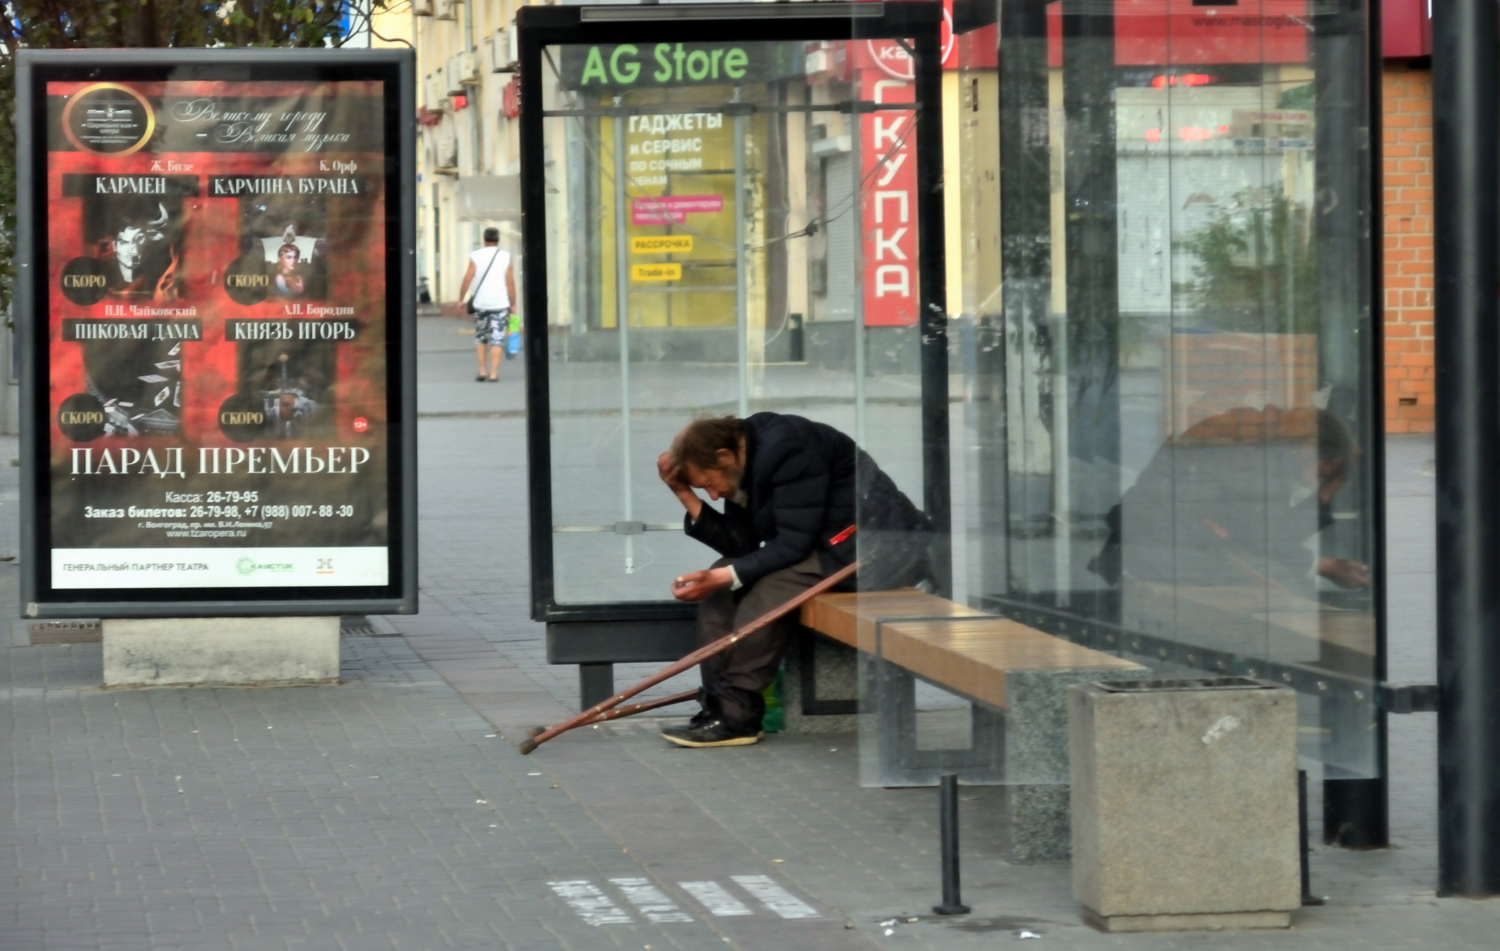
[[489, 198]]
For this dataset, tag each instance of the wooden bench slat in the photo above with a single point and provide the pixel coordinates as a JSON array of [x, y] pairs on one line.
[[970, 654], [973, 657], [846, 615]]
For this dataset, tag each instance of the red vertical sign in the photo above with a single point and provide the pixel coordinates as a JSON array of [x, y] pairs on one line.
[[888, 187]]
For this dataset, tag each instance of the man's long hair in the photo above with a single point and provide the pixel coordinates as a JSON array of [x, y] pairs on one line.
[[699, 442]]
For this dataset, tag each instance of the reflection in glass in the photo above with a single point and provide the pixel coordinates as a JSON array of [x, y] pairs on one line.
[[1165, 337], [1158, 290]]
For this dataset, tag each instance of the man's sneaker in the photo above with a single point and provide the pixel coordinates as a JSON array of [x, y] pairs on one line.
[[712, 733]]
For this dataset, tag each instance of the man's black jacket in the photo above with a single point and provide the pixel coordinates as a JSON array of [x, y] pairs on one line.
[[806, 485]]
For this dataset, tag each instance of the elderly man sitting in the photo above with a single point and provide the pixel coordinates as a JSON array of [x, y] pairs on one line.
[[795, 493]]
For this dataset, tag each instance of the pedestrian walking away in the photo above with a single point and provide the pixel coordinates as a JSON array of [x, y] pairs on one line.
[[491, 304], [797, 495]]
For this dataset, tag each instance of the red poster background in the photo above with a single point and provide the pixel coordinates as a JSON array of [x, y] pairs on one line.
[[354, 234]]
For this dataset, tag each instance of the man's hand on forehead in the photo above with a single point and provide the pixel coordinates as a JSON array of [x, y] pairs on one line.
[[671, 472]]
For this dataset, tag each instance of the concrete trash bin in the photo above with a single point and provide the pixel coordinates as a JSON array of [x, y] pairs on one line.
[[1184, 806]]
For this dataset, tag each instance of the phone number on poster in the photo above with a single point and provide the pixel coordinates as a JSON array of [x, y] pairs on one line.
[[304, 511]]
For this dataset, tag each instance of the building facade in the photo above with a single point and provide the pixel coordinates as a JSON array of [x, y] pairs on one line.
[[468, 146]]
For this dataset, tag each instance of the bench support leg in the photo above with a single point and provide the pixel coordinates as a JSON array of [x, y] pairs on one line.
[[822, 686], [810, 646], [1037, 730], [892, 693], [1040, 824], [596, 684]]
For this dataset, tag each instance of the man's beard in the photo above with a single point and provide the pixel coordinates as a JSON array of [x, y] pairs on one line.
[[740, 497]]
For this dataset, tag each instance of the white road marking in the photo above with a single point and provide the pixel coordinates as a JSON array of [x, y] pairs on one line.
[[713, 897], [657, 907], [592, 905], [774, 897]]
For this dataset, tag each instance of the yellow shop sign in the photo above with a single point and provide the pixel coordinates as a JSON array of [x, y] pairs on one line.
[[655, 272], [662, 244]]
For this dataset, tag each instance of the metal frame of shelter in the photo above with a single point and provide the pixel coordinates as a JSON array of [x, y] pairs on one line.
[[598, 634]]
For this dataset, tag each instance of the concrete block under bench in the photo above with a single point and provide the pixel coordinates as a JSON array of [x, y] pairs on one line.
[[1016, 676], [820, 686]]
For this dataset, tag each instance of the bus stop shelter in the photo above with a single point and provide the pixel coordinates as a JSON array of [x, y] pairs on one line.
[[1097, 283]]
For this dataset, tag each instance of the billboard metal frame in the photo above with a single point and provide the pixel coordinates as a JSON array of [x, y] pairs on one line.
[[397, 70]]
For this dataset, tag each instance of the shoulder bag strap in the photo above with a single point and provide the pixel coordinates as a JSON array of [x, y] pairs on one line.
[[486, 273]]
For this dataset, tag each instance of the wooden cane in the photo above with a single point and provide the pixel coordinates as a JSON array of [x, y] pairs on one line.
[[628, 710], [596, 713], [631, 709]]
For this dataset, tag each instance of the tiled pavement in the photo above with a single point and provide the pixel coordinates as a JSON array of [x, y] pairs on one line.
[[394, 812]]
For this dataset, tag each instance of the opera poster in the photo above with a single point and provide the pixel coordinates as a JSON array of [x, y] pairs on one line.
[[215, 309]]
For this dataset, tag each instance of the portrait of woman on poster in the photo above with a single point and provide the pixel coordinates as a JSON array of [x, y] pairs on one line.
[[291, 281]]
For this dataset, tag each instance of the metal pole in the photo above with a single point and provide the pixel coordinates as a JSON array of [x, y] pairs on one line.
[[933, 316], [1345, 38], [1308, 898], [8, 346], [1089, 430], [1025, 284], [1466, 153], [741, 307], [948, 822], [534, 244], [622, 319], [1062, 475]]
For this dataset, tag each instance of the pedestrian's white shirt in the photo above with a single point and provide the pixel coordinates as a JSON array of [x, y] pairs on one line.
[[490, 293]]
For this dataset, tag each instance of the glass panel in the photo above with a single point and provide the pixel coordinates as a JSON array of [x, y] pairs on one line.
[[1158, 295], [704, 212]]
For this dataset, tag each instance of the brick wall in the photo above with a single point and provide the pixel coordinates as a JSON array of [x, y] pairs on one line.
[[1407, 142]]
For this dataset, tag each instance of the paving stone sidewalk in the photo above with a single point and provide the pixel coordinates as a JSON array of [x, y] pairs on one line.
[[393, 811], [871, 855]]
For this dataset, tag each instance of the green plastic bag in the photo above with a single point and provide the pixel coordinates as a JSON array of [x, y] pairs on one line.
[[775, 718], [513, 337]]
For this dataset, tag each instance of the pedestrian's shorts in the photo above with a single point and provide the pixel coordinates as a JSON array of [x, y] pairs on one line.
[[489, 326]]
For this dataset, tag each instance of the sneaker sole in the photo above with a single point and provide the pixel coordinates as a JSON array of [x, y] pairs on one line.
[[735, 741]]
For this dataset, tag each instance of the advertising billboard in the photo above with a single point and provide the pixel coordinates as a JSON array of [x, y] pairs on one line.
[[216, 302]]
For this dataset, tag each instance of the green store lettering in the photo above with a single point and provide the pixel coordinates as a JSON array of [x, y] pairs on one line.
[[674, 64]]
